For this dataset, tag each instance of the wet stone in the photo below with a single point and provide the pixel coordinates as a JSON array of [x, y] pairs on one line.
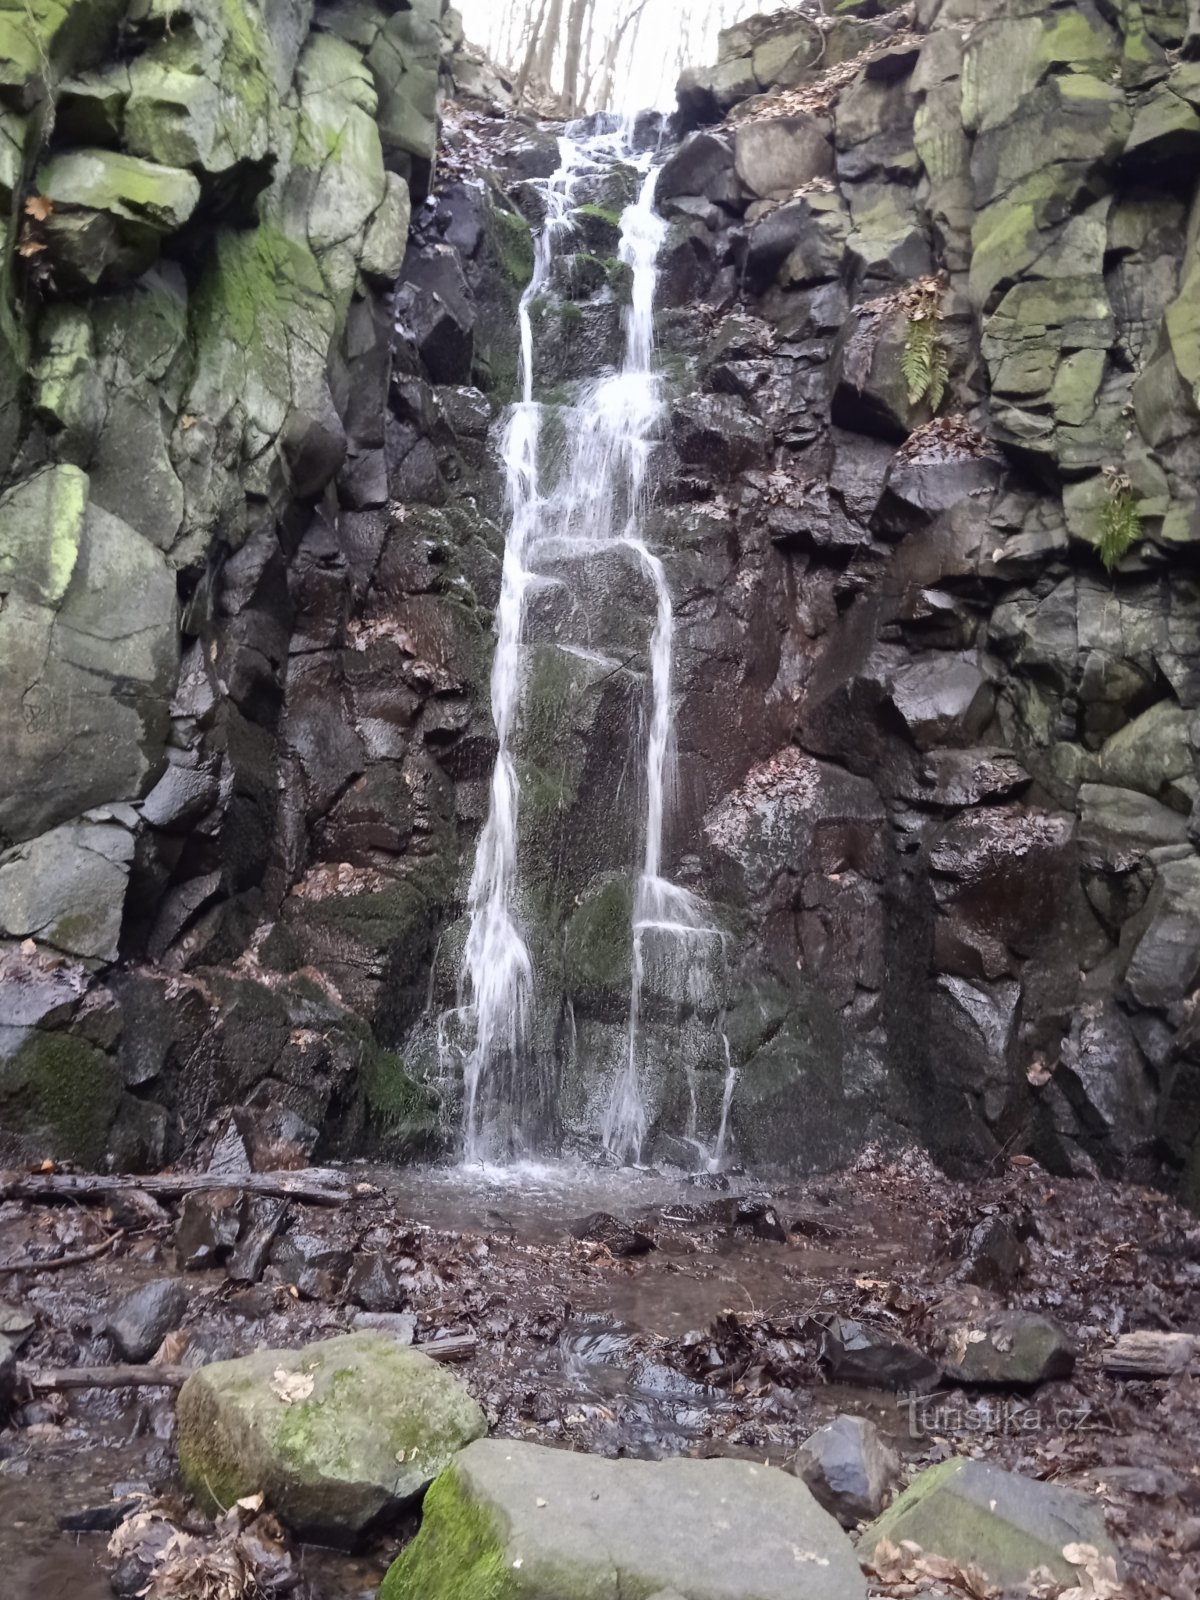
[[615, 1235], [141, 1321], [209, 1224], [856, 1353], [989, 1345], [373, 1283], [848, 1467], [318, 1269], [8, 1373], [263, 1219], [993, 1256]]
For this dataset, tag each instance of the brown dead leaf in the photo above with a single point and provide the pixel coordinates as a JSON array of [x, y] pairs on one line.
[[291, 1387], [30, 247], [39, 208], [171, 1350]]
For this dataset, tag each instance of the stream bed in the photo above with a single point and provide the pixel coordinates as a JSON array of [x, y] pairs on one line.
[[639, 1313]]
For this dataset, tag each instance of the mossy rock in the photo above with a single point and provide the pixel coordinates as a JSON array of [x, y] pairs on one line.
[[338, 1436], [598, 949], [1004, 1524], [402, 1113], [516, 1521], [58, 1094]]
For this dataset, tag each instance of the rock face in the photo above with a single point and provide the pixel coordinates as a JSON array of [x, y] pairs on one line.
[[513, 1521], [337, 1436], [1006, 1525], [217, 544], [937, 768]]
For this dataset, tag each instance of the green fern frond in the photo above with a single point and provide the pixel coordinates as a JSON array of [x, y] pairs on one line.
[[916, 362], [924, 363], [1120, 526], [939, 375]]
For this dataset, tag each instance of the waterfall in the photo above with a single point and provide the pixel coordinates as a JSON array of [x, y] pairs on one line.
[[594, 506], [498, 970]]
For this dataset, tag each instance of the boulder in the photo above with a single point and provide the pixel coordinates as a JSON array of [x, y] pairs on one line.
[[703, 165], [523, 1522], [139, 1323], [374, 1284], [994, 1256], [943, 699], [717, 432], [848, 1467], [986, 1344], [778, 157], [67, 888], [856, 1353], [317, 1268], [1006, 1525], [111, 214], [337, 1436], [1164, 940]]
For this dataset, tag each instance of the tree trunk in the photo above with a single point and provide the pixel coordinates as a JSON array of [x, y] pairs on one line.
[[573, 56]]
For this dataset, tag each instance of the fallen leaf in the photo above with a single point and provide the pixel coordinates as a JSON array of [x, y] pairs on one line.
[[291, 1386], [29, 947], [30, 247], [250, 1502], [39, 208], [1020, 1161]]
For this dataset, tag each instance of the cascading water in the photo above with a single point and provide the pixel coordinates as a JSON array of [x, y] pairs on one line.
[[498, 971], [593, 510]]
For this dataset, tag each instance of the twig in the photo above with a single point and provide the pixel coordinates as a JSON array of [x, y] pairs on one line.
[[316, 1187], [49, 1380], [53, 1263]]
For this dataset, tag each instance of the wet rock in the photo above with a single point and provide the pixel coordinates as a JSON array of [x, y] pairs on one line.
[[848, 1467], [401, 1326], [1005, 1525], [337, 1436], [67, 888], [8, 1374], [779, 157], [943, 699], [16, 1323], [316, 1267], [986, 1344], [209, 1224], [703, 165], [374, 1284], [563, 1523], [141, 1321], [718, 433], [993, 1255], [617, 1236], [855, 1353], [263, 1217]]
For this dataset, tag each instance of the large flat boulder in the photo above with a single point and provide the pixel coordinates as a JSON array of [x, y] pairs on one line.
[[512, 1521], [1008, 1526], [336, 1436]]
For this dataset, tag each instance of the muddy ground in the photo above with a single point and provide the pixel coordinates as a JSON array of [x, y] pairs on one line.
[[709, 1343]]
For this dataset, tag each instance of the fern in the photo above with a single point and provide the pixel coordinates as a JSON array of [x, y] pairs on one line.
[[924, 363], [1120, 521]]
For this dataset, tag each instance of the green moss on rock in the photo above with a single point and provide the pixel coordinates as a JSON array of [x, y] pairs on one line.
[[458, 1554], [368, 1424], [60, 1094]]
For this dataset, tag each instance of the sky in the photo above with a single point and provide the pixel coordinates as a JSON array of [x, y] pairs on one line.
[[652, 80]]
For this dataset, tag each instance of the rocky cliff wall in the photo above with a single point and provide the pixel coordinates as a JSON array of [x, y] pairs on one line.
[[232, 647], [937, 767], [946, 665]]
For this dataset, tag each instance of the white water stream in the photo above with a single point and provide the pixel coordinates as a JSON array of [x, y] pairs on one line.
[[595, 505]]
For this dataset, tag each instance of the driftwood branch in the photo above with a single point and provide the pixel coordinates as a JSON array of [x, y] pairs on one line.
[[53, 1263], [315, 1187], [50, 1380], [1148, 1354]]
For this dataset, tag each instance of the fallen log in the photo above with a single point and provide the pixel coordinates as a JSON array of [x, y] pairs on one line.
[[1148, 1354], [315, 1187], [51, 1380], [52, 1263]]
